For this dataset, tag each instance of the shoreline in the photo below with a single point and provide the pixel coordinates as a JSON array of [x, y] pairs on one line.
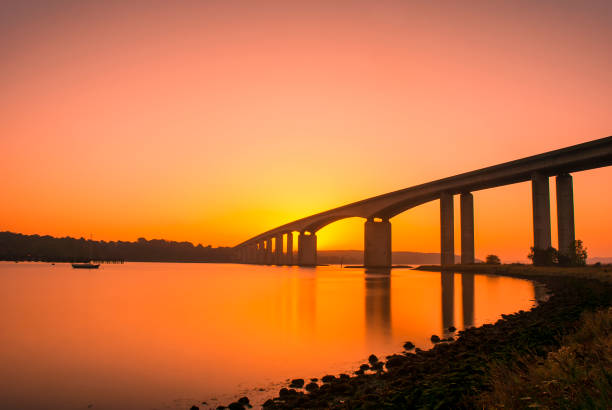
[[457, 374]]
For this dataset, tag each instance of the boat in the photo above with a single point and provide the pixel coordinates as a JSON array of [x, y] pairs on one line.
[[87, 265]]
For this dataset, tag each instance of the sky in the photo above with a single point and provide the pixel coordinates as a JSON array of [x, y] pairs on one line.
[[213, 121]]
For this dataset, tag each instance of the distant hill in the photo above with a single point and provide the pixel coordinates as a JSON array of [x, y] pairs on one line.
[[398, 258], [602, 260]]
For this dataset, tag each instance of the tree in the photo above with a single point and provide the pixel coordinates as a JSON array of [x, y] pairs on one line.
[[544, 257], [576, 255], [493, 260]]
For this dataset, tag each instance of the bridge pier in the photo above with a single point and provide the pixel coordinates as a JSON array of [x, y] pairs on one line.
[[278, 251], [268, 259], [377, 244], [467, 228], [540, 193], [289, 258], [261, 253], [565, 213], [447, 233], [307, 249]]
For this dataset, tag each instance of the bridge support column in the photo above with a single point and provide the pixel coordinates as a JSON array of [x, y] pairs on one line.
[[261, 253], [289, 258], [565, 213], [268, 251], [540, 193], [467, 228], [447, 233], [307, 249], [377, 244], [278, 251]]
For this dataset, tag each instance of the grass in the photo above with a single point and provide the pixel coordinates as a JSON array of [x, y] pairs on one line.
[[576, 376]]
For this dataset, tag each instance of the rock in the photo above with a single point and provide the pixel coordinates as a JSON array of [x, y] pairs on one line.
[[297, 383], [372, 359], [312, 387], [395, 361], [344, 376], [328, 378], [314, 380], [435, 338], [364, 367], [244, 401], [194, 408], [359, 372], [268, 403], [235, 406], [452, 328], [378, 366], [408, 345]]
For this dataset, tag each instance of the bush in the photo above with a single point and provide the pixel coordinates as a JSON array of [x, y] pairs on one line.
[[493, 260], [576, 255], [544, 257]]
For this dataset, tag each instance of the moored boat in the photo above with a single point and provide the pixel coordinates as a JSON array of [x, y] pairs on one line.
[[87, 265]]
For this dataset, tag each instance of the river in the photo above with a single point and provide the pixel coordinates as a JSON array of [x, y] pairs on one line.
[[173, 335]]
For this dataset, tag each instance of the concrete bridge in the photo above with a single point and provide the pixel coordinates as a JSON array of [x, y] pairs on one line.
[[268, 247]]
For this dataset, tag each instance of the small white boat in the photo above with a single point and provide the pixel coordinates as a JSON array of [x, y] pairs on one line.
[[87, 265]]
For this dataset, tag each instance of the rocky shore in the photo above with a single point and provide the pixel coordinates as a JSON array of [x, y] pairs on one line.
[[455, 374]]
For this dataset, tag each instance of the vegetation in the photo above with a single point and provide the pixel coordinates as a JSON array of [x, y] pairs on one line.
[[543, 257], [577, 375], [576, 255], [492, 260], [18, 247]]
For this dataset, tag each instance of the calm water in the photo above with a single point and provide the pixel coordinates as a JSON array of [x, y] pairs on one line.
[[167, 336]]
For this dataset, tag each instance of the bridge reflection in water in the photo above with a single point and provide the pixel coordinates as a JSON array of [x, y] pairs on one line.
[[378, 307]]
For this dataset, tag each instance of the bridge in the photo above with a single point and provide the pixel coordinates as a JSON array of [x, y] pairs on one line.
[[269, 247]]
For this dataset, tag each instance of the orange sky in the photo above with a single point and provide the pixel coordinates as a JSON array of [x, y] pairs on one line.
[[214, 121]]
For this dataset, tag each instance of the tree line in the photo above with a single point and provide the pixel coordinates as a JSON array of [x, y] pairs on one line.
[[19, 247]]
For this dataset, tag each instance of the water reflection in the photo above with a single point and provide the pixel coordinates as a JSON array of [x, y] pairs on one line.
[[467, 298], [448, 300], [142, 335], [378, 304]]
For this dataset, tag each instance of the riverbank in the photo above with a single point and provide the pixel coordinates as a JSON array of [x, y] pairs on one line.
[[462, 374]]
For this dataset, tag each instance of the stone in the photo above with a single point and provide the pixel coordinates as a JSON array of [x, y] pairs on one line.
[[312, 387], [328, 378], [297, 383]]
